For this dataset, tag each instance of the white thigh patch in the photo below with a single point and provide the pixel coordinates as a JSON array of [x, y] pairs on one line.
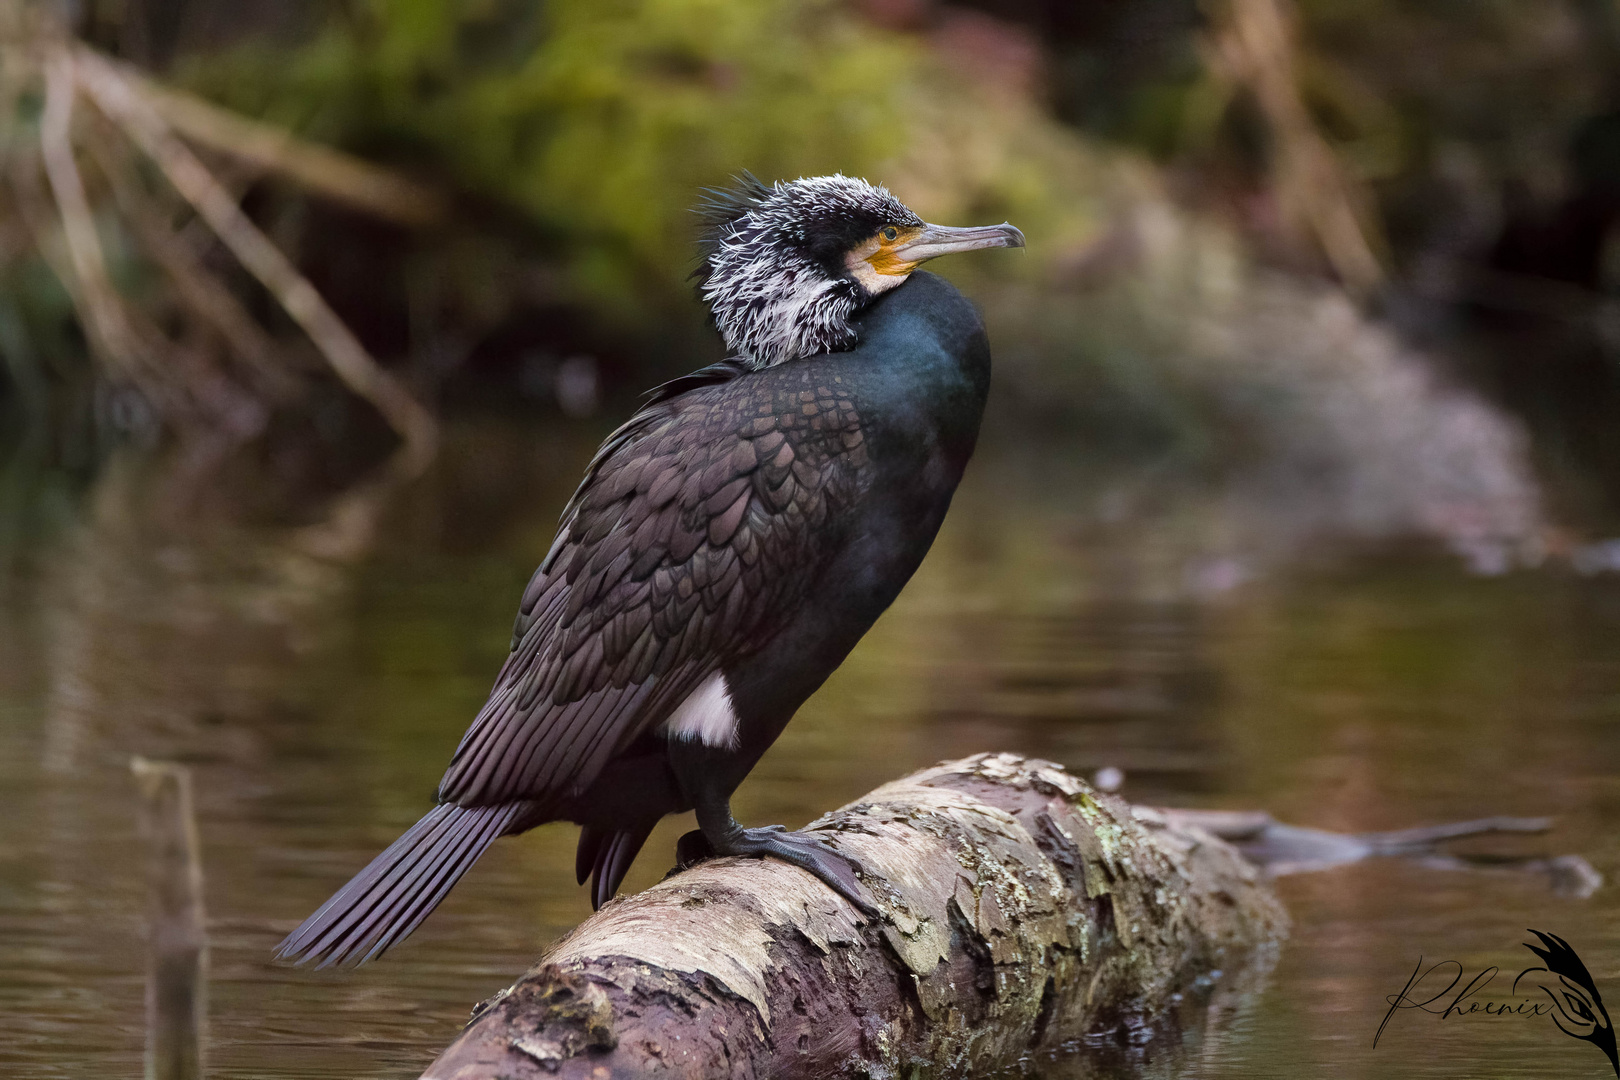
[[705, 715]]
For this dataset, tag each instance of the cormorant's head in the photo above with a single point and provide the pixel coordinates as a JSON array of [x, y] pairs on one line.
[[786, 267]]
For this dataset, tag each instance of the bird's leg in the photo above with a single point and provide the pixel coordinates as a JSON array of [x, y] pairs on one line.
[[711, 798], [805, 850]]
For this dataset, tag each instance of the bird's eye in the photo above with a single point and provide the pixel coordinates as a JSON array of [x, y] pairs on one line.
[[891, 233]]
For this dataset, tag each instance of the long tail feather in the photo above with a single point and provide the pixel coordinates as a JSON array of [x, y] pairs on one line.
[[611, 856], [589, 851], [387, 900]]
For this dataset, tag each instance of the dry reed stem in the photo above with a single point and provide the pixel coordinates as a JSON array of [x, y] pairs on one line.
[[126, 107], [104, 316], [1254, 45], [177, 381], [321, 169], [177, 945], [194, 286]]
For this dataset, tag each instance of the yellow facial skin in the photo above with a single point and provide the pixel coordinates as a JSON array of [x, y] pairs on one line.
[[879, 263], [885, 260]]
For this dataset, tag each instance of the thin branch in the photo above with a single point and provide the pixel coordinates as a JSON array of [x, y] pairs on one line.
[[103, 315], [343, 351], [194, 286], [324, 170], [1255, 45], [178, 387], [1424, 837], [177, 929], [42, 224]]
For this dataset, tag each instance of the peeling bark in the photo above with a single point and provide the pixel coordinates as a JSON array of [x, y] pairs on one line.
[[1024, 914]]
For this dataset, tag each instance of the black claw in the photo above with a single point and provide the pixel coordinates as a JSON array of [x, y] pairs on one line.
[[808, 852]]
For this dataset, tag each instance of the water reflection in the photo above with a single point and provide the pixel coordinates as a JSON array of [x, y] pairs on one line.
[[1087, 612]]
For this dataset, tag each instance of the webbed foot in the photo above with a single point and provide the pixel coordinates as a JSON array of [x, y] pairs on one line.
[[807, 851]]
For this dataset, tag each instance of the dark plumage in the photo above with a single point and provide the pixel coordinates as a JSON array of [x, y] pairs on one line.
[[727, 548]]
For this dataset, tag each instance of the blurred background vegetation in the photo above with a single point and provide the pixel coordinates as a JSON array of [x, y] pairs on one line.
[[1259, 229], [1299, 475]]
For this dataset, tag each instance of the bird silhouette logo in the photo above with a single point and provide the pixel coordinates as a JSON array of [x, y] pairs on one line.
[[1577, 1006]]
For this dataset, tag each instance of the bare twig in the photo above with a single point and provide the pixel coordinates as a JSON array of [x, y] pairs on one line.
[[182, 384], [177, 980], [1254, 45], [1281, 850], [348, 358], [1425, 837], [196, 288], [39, 218], [104, 317], [321, 169]]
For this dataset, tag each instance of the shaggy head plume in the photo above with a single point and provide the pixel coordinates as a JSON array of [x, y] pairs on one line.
[[777, 270]]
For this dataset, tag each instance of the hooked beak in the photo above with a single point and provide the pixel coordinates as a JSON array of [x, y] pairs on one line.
[[932, 241]]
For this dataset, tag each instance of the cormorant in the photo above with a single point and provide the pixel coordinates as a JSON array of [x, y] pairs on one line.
[[727, 548]]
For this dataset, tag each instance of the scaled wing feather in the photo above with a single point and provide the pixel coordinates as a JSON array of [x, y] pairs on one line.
[[678, 555]]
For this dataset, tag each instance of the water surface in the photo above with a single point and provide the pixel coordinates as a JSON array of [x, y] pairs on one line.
[[1066, 611]]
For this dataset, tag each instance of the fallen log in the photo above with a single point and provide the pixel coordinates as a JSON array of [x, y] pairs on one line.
[[1023, 914]]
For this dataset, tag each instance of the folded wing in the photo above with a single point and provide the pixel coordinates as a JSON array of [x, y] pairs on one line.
[[700, 526]]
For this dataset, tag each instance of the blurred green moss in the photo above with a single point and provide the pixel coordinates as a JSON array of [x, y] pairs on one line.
[[597, 121], [574, 135]]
